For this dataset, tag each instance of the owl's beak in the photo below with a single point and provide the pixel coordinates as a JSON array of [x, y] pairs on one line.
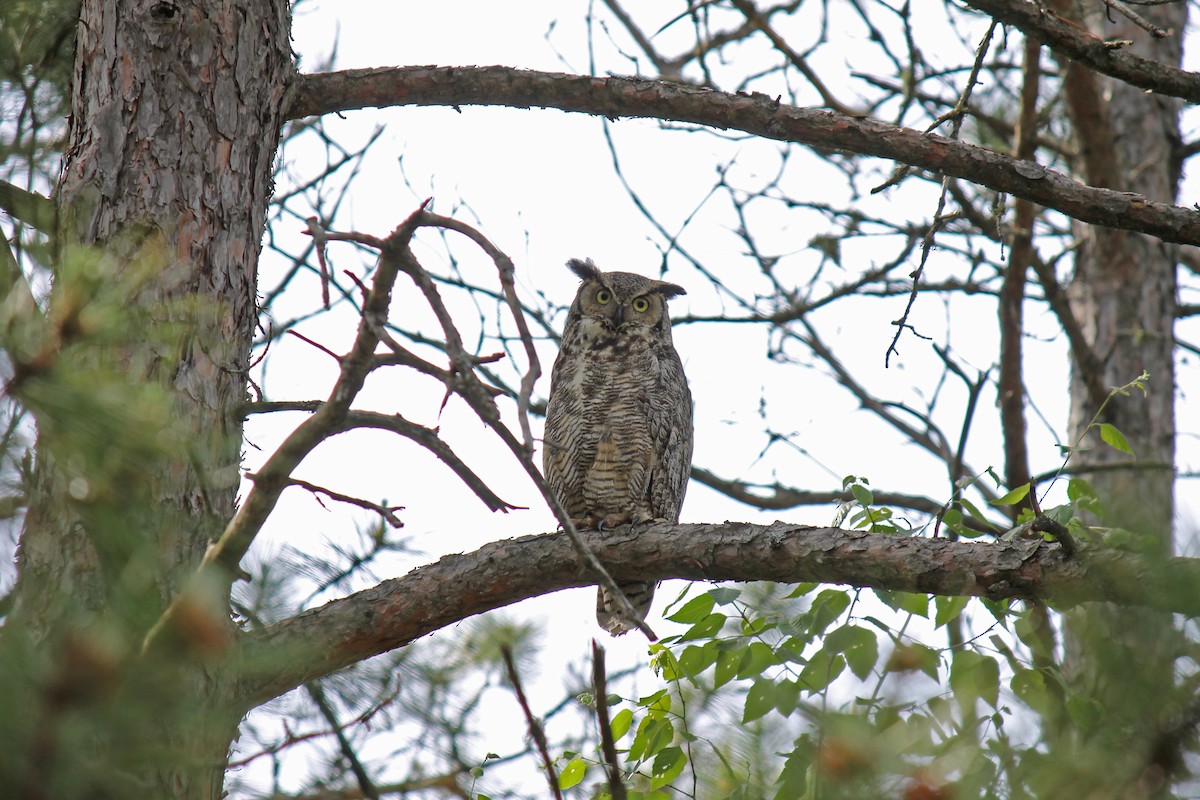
[[618, 316]]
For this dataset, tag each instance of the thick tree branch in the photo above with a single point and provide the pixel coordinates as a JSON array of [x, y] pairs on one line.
[[458, 586], [30, 207], [1078, 44], [756, 114]]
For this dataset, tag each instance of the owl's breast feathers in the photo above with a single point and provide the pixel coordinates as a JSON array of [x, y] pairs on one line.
[[615, 438]]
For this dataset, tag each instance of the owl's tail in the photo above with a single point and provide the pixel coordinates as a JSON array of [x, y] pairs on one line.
[[609, 614]]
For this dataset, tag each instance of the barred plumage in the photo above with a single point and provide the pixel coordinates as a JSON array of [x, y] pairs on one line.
[[618, 443]]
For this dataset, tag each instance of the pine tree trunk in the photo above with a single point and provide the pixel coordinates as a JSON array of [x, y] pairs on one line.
[[175, 123], [1123, 294]]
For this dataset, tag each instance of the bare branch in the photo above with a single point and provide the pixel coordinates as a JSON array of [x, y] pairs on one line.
[[760, 22], [504, 266], [427, 438], [752, 113], [365, 784], [388, 513], [459, 586], [222, 561], [779, 498], [616, 787], [1011, 388], [535, 728], [1080, 45]]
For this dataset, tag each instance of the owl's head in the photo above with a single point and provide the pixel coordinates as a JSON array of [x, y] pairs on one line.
[[621, 300]]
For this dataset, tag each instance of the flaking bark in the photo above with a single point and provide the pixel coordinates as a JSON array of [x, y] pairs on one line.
[[755, 114], [401, 610]]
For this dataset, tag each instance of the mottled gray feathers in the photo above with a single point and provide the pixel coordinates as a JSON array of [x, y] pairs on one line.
[[618, 443]]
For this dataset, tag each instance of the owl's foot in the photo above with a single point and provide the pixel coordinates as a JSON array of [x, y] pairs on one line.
[[585, 522], [608, 521], [603, 523], [613, 520]]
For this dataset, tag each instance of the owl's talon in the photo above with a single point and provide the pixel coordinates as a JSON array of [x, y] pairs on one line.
[[613, 520]]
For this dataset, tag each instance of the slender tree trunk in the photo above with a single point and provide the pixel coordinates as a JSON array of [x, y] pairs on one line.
[[174, 129], [1123, 295], [1123, 290]]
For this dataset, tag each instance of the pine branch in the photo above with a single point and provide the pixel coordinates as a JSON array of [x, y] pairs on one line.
[[755, 114], [459, 586]]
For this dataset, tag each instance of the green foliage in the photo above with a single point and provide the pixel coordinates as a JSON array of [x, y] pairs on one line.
[[830, 692], [868, 517], [1013, 497], [572, 773], [37, 39], [1114, 438]]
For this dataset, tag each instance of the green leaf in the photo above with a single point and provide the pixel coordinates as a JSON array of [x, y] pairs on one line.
[[796, 778], [754, 626], [1079, 489], [801, 590], [821, 670], [694, 610], [1030, 686], [620, 723], [653, 735], [757, 657], [787, 696], [972, 509], [917, 604], [948, 608], [858, 645], [727, 667], [1086, 713], [975, 676], [695, 660], [658, 703], [827, 607], [862, 494], [912, 656], [759, 700], [953, 519], [724, 595], [1012, 498], [572, 773], [705, 628], [663, 662], [667, 766], [998, 609], [1114, 438]]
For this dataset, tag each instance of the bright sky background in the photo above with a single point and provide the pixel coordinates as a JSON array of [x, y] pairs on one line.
[[541, 184]]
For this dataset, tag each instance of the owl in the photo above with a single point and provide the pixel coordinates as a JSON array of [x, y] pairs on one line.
[[618, 443]]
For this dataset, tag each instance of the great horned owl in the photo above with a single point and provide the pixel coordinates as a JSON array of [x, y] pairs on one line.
[[618, 441]]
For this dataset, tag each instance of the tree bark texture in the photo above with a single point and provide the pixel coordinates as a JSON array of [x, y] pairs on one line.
[[1123, 293], [1123, 288], [753, 113], [401, 610], [756, 114], [175, 124]]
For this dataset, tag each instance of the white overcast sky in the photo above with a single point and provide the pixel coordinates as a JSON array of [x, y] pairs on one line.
[[541, 184]]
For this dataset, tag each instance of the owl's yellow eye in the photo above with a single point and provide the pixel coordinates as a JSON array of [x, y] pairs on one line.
[[640, 304], [603, 296]]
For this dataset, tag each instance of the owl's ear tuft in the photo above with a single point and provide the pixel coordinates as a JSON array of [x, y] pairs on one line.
[[584, 268], [669, 290]]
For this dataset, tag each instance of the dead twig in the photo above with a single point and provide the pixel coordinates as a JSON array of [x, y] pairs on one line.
[[608, 746], [535, 727]]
